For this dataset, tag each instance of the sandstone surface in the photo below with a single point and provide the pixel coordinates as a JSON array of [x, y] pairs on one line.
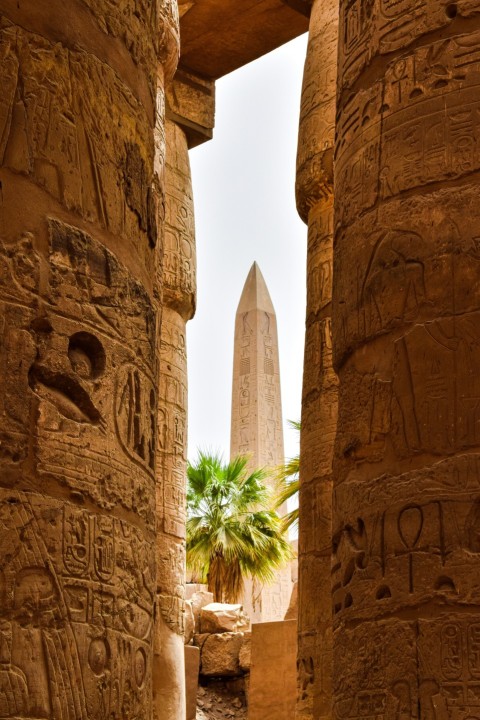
[[199, 599], [245, 654], [256, 427], [273, 682], [292, 612], [192, 668], [406, 313], [222, 617], [189, 629], [315, 198], [220, 653]]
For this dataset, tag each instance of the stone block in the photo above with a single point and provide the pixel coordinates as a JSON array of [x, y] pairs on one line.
[[199, 639], [220, 654], [222, 617], [273, 671], [189, 622], [191, 104], [245, 654], [191, 588], [192, 667], [199, 600]]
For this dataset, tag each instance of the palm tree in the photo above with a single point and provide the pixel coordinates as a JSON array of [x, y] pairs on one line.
[[232, 530], [288, 484]]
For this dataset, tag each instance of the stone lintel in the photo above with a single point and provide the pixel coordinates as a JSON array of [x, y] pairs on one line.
[[304, 7], [219, 36], [191, 104]]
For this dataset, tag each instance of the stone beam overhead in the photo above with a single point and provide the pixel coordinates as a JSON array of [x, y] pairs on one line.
[[219, 36], [190, 103]]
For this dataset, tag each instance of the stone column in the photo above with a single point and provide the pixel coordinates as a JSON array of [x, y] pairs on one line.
[[178, 306], [314, 190], [78, 362], [407, 350]]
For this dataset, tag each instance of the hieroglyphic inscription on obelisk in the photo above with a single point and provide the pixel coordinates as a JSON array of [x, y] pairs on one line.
[[256, 428]]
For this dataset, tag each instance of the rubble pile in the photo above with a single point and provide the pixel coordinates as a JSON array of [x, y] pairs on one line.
[[218, 701]]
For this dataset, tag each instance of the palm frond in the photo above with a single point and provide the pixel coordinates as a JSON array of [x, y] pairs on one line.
[[232, 530]]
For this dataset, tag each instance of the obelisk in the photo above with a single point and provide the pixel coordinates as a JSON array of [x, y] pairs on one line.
[[256, 429]]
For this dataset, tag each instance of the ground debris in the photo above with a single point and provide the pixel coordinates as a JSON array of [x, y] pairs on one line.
[[217, 701]]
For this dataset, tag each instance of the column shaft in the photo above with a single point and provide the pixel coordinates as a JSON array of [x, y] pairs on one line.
[[314, 190], [406, 324], [179, 268], [78, 360]]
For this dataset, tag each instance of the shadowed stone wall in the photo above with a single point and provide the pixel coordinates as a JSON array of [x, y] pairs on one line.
[[406, 347], [78, 353], [314, 191]]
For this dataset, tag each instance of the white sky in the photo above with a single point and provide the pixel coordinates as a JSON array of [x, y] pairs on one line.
[[243, 183]]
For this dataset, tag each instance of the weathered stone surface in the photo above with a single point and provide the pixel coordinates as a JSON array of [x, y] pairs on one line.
[[199, 600], [192, 588], [191, 105], [222, 617], [314, 193], [219, 654], [292, 612], [192, 667], [272, 688], [245, 654], [189, 630], [235, 32], [256, 428], [199, 639], [178, 296], [406, 314], [78, 354]]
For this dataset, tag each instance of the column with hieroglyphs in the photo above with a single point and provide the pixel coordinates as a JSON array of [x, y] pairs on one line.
[[406, 320], [256, 428], [179, 286], [78, 353], [314, 191]]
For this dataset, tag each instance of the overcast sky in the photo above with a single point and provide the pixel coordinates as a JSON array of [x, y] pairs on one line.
[[243, 182]]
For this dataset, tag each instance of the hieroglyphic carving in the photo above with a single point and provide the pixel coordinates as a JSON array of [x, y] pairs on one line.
[[78, 356], [406, 340], [88, 598], [314, 195], [62, 135], [179, 287], [69, 369], [376, 27]]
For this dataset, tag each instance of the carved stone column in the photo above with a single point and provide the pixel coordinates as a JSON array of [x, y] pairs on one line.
[[314, 190], [407, 349], [178, 306], [78, 362]]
